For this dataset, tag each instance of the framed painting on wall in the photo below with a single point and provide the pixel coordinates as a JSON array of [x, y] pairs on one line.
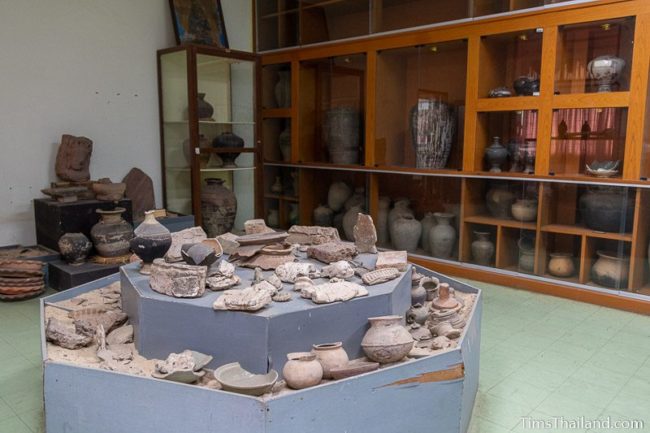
[[199, 22]]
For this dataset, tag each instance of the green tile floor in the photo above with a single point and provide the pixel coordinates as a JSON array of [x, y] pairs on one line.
[[541, 357]]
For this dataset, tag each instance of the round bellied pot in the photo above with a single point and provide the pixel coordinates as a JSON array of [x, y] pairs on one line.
[[387, 340], [323, 216], [228, 140], [112, 235], [561, 265], [526, 85], [524, 210], [607, 209], [499, 200], [400, 208], [611, 270], [357, 198], [442, 237], [284, 143], [418, 292], [482, 248], [151, 241], [605, 70], [282, 90], [74, 247], [276, 188], [204, 108], [330, 355], [383, 236], [349, 221], [218, 207], [526, 254], [418, 313], [496, 154], [302, 370], [342, 134], [337, 195], [405, 232], [428, 222]]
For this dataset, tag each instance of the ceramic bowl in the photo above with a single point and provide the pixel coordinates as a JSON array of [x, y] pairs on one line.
[[234, 378]]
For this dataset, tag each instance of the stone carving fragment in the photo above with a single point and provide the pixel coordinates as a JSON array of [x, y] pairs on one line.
[[312, 235], [178, 280], [288, 272], [365, 234], [65, 336], [392, 259], [193, 235], [252, 227], [252, 298], [333, 291], [331, 252], [73, 158], [341, 269], [379, 276]]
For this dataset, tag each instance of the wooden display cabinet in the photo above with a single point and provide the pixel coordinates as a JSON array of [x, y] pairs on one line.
[[277, 24], [281, 188]]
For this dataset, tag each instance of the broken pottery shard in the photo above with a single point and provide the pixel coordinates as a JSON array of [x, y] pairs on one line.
[[262, 238], [281, 297], [331, 252], [109, 320], [392, 259], [182, 367], [365, 234], [341, 269], [335, 290], [249, 299], [252, 227], [178, 280], [275, 281], [139, 189], [73, 158], [116, 352], [222, 282], [269, 257], [312, 235], [65, 336], [122, 335], [288, 272], [379, 276], [193, 235], [229, 242], [442, 343]]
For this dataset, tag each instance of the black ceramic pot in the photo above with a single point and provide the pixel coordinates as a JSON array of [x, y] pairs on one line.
[[151, 241], [607, 209], [75, 247], [228, 139], [526, 86]]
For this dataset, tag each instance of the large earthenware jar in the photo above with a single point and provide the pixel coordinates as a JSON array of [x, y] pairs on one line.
[[284, 143], [203, 107], [496, 154], [218, 207], [387, 340], [323, 216], [526, 254], [605, 70], [561, 265], [342, 134], [273, 218], [337, 195], [611, 270], [405, 232], [302, 370], [151, 241], [433, 125], [383, 237], [443, 236], [330, 355], [524, 210], [482, 248], [400, 209], [499, 200], [427, 224], [350, 219], [282, 89], [111, 235], [607, 209], [228, 140], [74, 247]]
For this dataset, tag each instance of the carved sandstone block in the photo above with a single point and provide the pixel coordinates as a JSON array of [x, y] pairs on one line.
[[178, 280]]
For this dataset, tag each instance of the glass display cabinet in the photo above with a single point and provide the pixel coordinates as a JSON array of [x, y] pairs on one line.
[[208, 114]]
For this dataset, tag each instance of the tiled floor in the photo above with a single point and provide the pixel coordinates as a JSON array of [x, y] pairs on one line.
[[541, 357]]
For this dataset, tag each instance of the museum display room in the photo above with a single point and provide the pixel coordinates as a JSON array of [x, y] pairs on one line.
[[325, 216]]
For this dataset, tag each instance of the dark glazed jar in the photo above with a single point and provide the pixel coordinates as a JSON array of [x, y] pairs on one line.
[[112, 235], [75, 247], [204, 108], [218, 207], [228, 139], [607, 209], [151, 241]]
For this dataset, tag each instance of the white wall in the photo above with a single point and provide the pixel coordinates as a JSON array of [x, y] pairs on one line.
[[83, 67]]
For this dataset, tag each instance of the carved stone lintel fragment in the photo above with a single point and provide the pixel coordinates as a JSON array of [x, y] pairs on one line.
[[365, 234], [379, 276], [331, 252], [312, 235], [178, 280], [392, 259]]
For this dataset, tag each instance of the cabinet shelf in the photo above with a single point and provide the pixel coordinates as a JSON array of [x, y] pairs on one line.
[[584, 231], [592, 100], [215, 169], [281, 197], [513, 103], [502, 222]]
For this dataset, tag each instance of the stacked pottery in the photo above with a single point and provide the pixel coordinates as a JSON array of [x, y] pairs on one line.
[[228, 140], [218, 207], [607, 209], [330, 355], [111, 235], [302, 370], [405, 232], [282, 90], [442, 237], [482, 248], [561, 265], [427, 224], [342, 134], [611, 270], [383, 237], [74, 247], [350, 219], [151, 241], [387, 340], [323, 216], [499, 200], [524, 210], [337, 195]]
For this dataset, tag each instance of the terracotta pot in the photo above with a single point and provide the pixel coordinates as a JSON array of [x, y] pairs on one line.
[[323, 216], [282, 90], [499, 200], [302, 370], [607, 209], [524, 210], [387, 340], [338, 193], [611, 270], [330, 355], [75, 247], [204, 109], [228, 139], [349, 220], [383, 237], [112, 235], [151, 241], [482, 248], [418, 313], [428, 222], [405, 232], [218, 208], [561, 265], [442, 237]]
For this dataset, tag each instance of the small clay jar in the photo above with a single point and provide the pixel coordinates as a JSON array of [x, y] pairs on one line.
[[418, 313], [302, 370], [74, 247], [524, 210], [418, 293], [112, 235], [561, 265], [387, 340], [445, 300], [330, 355], [430, 285]]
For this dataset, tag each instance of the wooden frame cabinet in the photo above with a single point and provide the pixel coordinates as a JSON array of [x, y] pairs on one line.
[[567, 121]]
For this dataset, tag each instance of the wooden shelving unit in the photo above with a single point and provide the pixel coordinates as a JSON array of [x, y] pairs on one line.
[[479, 55]]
